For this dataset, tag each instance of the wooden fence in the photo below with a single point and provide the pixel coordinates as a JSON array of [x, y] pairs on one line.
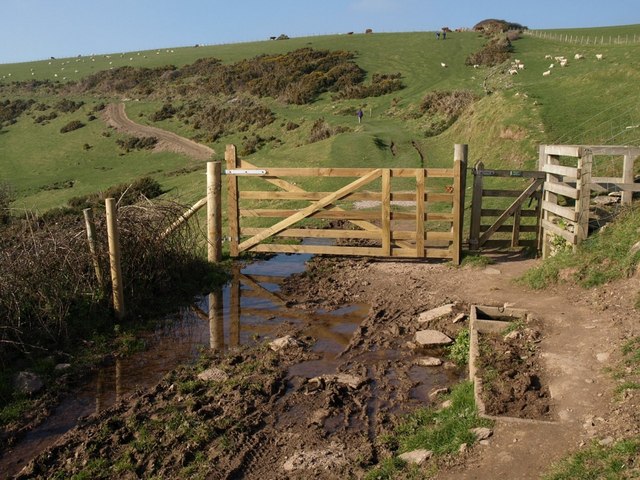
[[427, 225], [480, 233]]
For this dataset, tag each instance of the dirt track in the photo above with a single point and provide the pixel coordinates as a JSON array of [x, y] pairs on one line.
[[116, 117]]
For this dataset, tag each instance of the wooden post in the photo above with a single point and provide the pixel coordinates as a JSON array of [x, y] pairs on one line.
[[233, 200], [91, 240], [114, 258], [515, 233], [386, 212], [459, 171], [214, 211], [583, 185], [234, 307], [476, 208], [627, 177]]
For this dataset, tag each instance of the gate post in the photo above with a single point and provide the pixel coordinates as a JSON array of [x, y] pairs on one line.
[[232, 191], [214, 212], [460, 153], [476, 208]]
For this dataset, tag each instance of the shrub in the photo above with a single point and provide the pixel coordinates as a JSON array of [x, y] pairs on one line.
[[381, 84], [6, 197], [320, 130], [10, 110], [137, 143], [72, 125], [125, 193], [167, 111], [442, 108], [68, 106], [493, 53]]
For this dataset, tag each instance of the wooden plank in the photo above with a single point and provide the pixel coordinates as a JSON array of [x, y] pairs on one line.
[[548, 196], [460, 153], [316, 249], [625, 187], [562, 189], [428, 235], [613, 150], [563, 212], [501, 193], [553, 228], [318, 233], [233, 205], [510, 173], [385, 219], [564, 150], [569, 172], [502, 244], [535, 184], [320, 204], [350, 215], [420, 211], [343, 172], [509, 228], [496, 212], [515, 233]]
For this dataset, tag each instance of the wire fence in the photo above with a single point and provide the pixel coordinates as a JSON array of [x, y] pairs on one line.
[[585, 39]]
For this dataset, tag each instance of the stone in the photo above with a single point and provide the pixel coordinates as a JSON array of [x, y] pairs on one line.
[[213, 375], [491, 271], [602, 357], [432, 338], [482, 433], [283, 342], [484, 443], [460, 317], [463, 448], [635, 248], [605, 200], [435, 313], [352, 381], [28, 383], [606, 441], [416, 457], [428, 362]]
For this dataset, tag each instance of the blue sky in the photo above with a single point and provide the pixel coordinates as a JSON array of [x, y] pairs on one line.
[[38, 29]]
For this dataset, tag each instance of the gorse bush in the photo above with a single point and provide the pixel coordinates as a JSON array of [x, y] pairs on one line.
[[71, 126], [68, 106], [381, 84], [442, 108], [10, 110], [137, 143], [496, 51]]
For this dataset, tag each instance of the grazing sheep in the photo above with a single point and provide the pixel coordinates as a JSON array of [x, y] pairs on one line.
[[475, 65], [521, 66], [513, 71], [598, 56], [578, 56], [443, 65], [547, 73], [516, 61], [563, 63], [551, 66], [548, 57]]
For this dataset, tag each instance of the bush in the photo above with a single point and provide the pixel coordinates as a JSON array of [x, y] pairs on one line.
[[72, 125], [444, 107], [493, 53], [167, 111], [320, 130], [10, 110], [381, 84], [125, 193], [68, 106], [6, 197], [137, 143]]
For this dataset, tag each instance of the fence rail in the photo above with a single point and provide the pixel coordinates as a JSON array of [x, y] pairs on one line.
[[585, 39]]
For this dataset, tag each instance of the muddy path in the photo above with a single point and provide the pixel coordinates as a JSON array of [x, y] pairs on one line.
[[268, 413], [116, 117]]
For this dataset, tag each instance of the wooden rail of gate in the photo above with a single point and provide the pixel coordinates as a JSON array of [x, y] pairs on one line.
[[480, 235], [406, 233], [565, 184]]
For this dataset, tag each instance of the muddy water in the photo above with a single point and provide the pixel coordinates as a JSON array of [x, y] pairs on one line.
[[248, 309]]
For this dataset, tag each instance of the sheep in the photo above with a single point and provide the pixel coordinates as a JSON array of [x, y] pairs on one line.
[[516, 61], [443, 65], [475, 65], [551, 66], [513, 71], [547, 73], [578, 56], [598, 56], [521, 66], [563, 63], [548, 57]]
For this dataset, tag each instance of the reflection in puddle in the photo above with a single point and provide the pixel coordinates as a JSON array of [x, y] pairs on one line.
[[245, 311]]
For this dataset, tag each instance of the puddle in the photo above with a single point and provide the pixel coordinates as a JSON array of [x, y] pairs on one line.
[[245, 311]]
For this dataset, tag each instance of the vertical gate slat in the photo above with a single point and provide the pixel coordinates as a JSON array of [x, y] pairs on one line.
[[420, 233], [233, 200], [386, 212]]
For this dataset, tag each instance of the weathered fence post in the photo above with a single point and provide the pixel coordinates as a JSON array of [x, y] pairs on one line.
[[386, 212], [114, 258], [476, 207], [232, 203], [214, 211], [91, 240], [627, 177], [583, 185], [460, 153]]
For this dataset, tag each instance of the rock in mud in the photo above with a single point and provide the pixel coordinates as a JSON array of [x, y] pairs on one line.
[[428, 362], [28, 383], [322, 459], [432, 338], [417, 457], [283, 342], [351, 381], [213, 375], [436, 313]]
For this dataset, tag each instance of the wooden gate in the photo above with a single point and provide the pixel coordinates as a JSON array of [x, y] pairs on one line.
[[403, 212], [526, 205]]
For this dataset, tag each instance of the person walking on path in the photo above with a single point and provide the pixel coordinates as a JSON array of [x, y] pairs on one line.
[[359, 114]]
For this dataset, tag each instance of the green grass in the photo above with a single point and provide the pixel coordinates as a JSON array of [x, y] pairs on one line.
[[620, 461], [603, 257], [441, 431]]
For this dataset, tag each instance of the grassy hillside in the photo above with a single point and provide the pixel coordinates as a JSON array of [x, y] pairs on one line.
[[586, 102]]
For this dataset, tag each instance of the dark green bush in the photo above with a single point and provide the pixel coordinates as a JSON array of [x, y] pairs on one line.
[[137, 143], [68, 106], [72, 125], [167, 111], [493, 53], [125, 193]]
